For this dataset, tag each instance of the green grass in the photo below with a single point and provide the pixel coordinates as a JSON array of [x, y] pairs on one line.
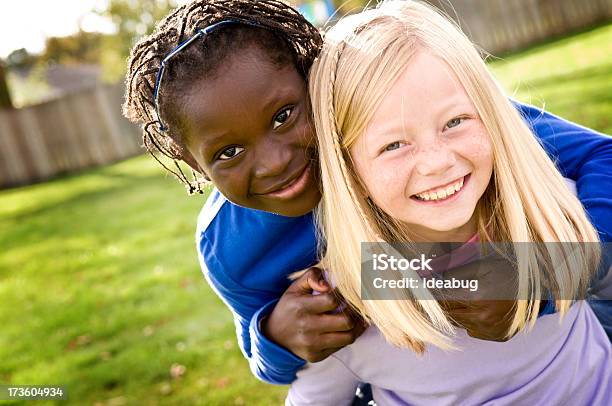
[[101, 290], [571, 77]]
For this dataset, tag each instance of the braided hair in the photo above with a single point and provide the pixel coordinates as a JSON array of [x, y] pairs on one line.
[[281, 32]]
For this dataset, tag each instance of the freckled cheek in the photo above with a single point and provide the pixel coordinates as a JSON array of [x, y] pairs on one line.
[[387, 183], [477, 149]]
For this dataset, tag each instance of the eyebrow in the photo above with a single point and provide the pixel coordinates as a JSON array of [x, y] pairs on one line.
[[284, 92], [457, 101], [212, 143]]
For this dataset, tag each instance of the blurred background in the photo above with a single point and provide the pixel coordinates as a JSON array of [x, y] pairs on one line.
[[100, 288]]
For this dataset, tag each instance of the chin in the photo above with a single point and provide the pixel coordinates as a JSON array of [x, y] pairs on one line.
[[443, 228], [453, 225], [445, 225], [307, 204]]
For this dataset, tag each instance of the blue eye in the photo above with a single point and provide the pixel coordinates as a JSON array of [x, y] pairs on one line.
[[455, 122], [393, 146], [229, 153], [282, 117]]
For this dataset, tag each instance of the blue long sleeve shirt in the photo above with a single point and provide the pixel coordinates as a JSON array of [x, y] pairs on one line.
[[246, 255]]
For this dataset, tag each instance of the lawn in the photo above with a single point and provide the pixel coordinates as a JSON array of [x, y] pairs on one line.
[[101, 291], [100, 286], [571, 77]]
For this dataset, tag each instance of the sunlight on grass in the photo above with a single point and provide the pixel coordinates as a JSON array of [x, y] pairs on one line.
[[571, 77], [102, 292]]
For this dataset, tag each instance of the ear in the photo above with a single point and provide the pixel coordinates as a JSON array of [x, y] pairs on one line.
[[193, 164]]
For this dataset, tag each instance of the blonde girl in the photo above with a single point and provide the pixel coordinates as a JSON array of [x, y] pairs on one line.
[[418, 143]]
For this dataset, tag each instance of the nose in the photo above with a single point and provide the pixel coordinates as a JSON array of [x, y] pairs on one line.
[[434, 159], [272, 158]]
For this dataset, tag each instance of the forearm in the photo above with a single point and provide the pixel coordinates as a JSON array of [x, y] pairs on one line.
[[248, 273], [268, 361]]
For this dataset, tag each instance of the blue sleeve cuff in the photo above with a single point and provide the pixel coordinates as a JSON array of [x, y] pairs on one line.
[[270, 361]]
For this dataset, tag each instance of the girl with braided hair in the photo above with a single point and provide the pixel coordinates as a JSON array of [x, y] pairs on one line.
[[418, 144], [221, 86]]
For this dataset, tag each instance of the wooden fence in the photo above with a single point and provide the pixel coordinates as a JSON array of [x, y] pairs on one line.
[[500, 26], [77, 131]]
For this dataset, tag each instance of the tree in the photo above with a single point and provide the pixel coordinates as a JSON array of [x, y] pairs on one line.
[[80, 47], [351, 6], [20, 59], [5, 97], [132, 19]]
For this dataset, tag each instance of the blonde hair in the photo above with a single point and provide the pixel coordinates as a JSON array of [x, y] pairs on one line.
[[526, 200]]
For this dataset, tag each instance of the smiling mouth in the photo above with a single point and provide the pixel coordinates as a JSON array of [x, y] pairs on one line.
[[442, 193], [292, 187]]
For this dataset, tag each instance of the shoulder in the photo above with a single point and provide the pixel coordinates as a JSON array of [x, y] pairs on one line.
[[212, 207], [546, 124], [326, 382], [252, 248], [223, 221], [218, 212]]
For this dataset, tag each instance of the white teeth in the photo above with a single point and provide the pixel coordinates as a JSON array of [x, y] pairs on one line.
[[442, 193]]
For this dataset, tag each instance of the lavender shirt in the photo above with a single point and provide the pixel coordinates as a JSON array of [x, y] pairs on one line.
[[552, 364]]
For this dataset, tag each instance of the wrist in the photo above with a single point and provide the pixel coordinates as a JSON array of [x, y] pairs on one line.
[[263, 326], [267, 328]]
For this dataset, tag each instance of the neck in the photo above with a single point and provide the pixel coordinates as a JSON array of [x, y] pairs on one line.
[[460, 234]]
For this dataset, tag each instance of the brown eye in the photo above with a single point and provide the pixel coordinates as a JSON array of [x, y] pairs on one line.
[[282, 117], [229, 153]]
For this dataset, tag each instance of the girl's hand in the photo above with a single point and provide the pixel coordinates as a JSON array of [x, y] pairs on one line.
[[308, 325], [486, 319], [487, 312]]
